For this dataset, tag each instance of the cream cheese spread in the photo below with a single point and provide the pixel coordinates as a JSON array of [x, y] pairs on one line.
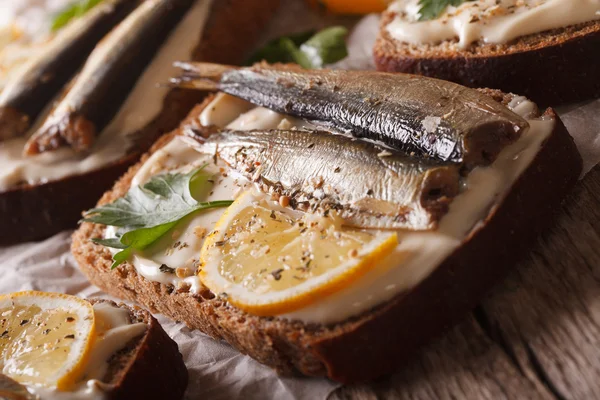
[[417, 253], [173, 259], [114, 330], [490, 21], [142, 105]]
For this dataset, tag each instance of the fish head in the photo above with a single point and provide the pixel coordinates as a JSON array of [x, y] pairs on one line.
[[439, 187], [485, 141]]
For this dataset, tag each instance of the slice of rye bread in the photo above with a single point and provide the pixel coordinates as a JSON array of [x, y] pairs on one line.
[[149, 366], [553, 67], [378, 341], [32, 212]]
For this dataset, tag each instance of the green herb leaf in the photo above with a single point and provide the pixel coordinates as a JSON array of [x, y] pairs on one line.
[[120, 257], [113, 243], [143, 237], [278, 50], [163, 199], [146, 213], [326, 47], [431, 9], [295, 54], [309, 50], [73, 11]]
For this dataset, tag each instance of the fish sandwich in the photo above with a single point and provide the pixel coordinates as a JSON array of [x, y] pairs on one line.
[[317, 239]]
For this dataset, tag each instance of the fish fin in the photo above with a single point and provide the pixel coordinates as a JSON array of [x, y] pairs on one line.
[[200, 75], [204, 70], [186, 82]]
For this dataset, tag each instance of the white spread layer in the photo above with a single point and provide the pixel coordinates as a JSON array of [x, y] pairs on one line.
[[172, 259], [180, 250], [420, 252], [493, 21], [142, 105], [114, 330]]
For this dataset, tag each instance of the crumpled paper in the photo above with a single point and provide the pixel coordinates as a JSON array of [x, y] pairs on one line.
[[583, 123], [216, 370]]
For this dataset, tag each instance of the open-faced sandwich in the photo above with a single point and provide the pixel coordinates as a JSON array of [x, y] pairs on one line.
[[79, 101], [329, 222], [546, 50], [58, 346]]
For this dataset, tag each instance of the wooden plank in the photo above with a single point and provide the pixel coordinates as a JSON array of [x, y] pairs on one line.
[[548, 311], [464, 364], [537, 335]]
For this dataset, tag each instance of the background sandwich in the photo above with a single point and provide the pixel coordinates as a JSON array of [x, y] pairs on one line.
[[545, 50], [41, 194]]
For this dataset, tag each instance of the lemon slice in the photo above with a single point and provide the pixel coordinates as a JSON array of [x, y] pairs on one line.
[[45, 338], [270, 260]]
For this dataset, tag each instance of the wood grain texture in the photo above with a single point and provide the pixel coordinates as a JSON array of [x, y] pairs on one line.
[[535, 336]]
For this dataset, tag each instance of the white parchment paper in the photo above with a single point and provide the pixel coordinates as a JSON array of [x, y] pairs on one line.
[[216, 370]]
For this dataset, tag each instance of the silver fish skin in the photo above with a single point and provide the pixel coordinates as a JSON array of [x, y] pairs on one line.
[[25, 96], [107, 77], [430, 117], [370, 186]]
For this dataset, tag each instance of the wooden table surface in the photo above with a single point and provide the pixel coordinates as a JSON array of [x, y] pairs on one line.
[[536, 335]]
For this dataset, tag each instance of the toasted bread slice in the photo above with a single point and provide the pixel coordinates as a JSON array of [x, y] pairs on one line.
[[130, 357], [149, 366], [31, 212], [552, 67], [377, 341]]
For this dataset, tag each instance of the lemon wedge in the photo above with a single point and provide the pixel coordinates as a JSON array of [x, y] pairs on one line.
[[354, 6], [45, 338], [270, 260]]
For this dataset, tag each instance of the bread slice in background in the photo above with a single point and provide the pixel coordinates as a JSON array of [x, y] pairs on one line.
[[149, 366], [551, 68], [377, 341], [32, 212]]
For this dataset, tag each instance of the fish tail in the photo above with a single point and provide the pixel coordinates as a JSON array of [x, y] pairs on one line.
[[200, 75], [71, 129]]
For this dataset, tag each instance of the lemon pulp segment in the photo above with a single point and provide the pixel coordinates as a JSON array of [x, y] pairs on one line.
[[271, 260], [45, 337]]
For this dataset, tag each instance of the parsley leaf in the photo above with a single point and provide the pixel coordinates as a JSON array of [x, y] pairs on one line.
[[114, 243], [309, 50], [281, 49], [147, 212], [431, 9], [73, 11], [326, 47]]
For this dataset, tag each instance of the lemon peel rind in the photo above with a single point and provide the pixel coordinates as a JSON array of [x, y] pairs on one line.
[[309, 292], [64, 379], [323, 286]]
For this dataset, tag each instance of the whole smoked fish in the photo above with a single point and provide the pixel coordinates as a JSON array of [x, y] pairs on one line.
[[415, 114], [107, 77], [371, 186], [42, 77]]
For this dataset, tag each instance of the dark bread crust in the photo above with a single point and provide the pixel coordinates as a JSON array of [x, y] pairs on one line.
[[554, 67], [32, 212], [377, 341], [149, 367]]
